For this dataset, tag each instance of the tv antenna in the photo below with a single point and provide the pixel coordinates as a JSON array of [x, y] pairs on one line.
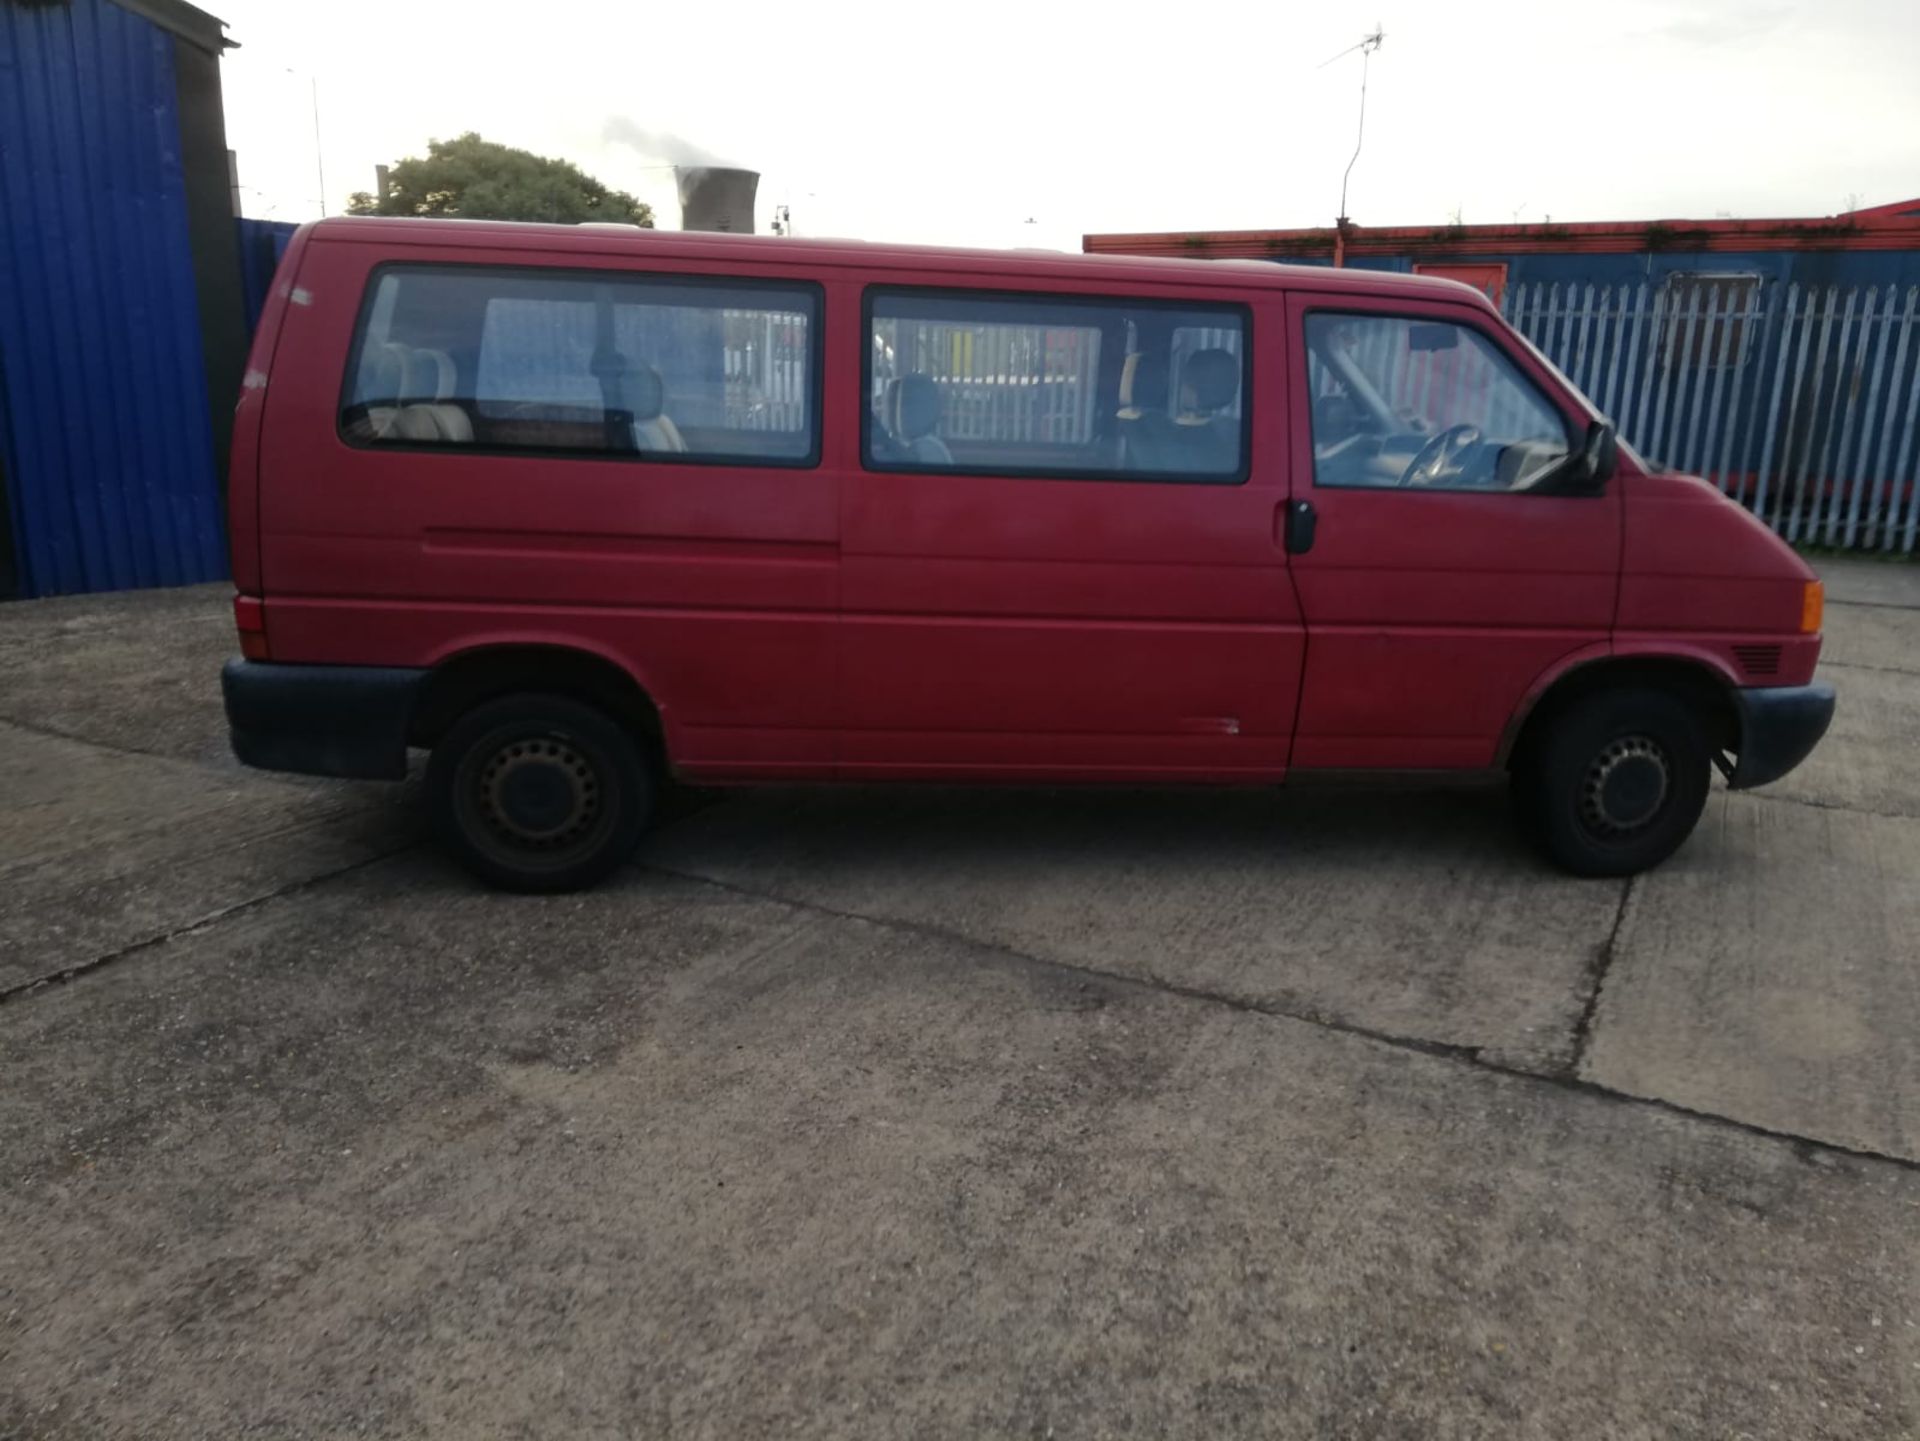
[[1369, 43]]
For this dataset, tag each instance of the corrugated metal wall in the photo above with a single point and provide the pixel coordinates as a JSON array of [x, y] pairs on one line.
[[262, 243], [108, 451]]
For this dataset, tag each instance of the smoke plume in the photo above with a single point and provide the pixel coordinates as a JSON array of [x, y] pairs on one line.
[[658, 145]]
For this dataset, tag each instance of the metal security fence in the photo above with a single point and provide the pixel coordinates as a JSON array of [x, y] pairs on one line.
[[1031, 384], [1801, 402]]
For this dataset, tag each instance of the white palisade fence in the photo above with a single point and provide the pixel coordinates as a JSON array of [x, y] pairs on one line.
[[1803, 402]]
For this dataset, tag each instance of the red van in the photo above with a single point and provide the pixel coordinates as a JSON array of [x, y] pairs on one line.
[[578, 509]]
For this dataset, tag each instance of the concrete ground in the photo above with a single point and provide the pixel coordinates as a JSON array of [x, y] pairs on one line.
[[944, 1114]]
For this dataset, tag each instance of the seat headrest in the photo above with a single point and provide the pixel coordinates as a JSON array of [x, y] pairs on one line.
[[1209, 380], [1143, 384], [385, 375], [646, 392], [430, 375], [912, 406]]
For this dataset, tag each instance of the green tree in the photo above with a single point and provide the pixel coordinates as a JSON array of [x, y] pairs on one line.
[[476, 179]]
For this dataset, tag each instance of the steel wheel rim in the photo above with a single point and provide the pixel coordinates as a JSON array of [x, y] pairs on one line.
[[1625, 788], [538, 799]]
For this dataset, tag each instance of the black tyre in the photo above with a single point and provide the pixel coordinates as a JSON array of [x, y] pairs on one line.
[[1615, 783], [539, 792]]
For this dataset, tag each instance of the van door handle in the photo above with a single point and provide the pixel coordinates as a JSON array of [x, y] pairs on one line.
[[1302, 522]]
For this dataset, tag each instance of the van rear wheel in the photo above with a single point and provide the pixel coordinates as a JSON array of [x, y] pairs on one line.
[[539, 792], [1616, 783]]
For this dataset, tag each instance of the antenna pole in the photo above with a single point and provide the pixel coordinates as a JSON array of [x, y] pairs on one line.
[[1366, 47], [319, 156]]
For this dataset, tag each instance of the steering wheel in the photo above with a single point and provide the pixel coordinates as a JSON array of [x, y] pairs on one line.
[[1439, 453]]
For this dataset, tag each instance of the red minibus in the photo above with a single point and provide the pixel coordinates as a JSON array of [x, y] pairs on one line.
[[582, 509]]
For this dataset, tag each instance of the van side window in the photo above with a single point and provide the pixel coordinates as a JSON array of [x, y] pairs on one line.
[[1046, 386], [654, 367], [1405, 401]]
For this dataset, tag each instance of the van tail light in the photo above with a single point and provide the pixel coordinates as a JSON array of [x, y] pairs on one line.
[[250, 619], [1813, 606]]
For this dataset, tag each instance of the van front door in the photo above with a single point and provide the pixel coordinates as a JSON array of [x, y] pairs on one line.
[[1060, 556], [1443, 579]]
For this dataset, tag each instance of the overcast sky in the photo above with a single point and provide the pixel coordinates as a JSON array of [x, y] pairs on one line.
[[960, 123]]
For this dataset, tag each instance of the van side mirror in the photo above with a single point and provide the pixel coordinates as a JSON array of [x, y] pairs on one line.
[[1587, 470], [1600, 456]]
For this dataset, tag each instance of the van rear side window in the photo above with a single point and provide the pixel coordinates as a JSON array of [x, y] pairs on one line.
[[605, 363], [1048, 385]]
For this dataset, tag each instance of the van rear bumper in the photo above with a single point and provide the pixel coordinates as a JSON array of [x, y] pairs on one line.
[[320, 720], [1779, 725]]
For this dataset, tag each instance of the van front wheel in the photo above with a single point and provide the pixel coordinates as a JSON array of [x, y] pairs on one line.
[[1616, 783], [539, 793]]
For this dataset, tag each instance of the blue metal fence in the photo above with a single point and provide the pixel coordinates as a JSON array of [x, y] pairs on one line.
[[108, 446], [1802, 402]]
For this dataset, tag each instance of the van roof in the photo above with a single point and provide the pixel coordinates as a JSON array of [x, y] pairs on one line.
[[612, 239]]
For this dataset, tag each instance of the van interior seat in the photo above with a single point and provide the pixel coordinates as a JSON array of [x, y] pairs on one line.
[[1147, 437], [913, 415], [1209, 383], [653, 429], [427, 409], [384, 375]]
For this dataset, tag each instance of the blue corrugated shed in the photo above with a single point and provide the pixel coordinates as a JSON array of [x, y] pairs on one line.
[[108, 453], [262, 243]]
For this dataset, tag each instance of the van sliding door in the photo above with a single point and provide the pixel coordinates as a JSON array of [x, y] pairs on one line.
[[1059, 552]]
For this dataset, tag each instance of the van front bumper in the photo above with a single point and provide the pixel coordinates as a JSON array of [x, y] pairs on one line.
[[321, 720], [1779, 726]]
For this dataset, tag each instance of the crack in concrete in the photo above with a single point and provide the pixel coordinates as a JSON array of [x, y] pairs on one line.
[[23, 989], [286, 782], [1876, 604], [1819, 805], [1564, 1078], [239, 838], [1862, 665], [1473, 1056], [1596, 978], [927, 930], [52, 733], [690, 804]]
